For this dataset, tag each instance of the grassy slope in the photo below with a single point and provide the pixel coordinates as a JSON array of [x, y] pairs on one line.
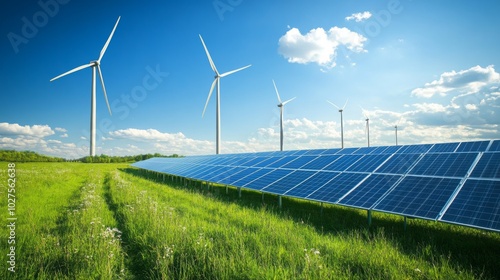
[[78, 221]]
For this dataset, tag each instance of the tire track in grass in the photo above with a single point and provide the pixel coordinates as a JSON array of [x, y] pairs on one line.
[[135, 262]]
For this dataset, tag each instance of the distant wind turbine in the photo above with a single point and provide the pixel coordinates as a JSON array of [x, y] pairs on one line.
[[281, 105], [396, 130], [367, 119], [216, 81], [341, 121], [96, 64]]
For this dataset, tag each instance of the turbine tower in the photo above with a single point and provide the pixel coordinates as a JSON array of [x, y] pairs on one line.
[[281, 105], [396, 127], [341, 121], [217, 107], [96, 64], [367, 128]]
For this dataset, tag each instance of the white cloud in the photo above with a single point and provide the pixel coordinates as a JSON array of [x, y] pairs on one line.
[[59, 129], [39, 131], [467, 81], [358, 17], [319, 46], [65, 135]]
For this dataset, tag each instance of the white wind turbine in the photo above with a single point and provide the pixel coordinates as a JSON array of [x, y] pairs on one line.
[[281, 105], [341, 121], [367, 119], [216, 81], [96, 64], [396, 129]]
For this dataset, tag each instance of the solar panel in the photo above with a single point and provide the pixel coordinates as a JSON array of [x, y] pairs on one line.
[[451, 182], [368, 163], [444, 148], [320, 162], [414, 149], [337, 187], [495, 146], [343, 163], [477, 146], [312, 183], [399, 163], [445, 164], [476, 204], [488, 166], [366, 194], [250, 176], [299, 162], [266, 179], [289, 181], [418, 196]]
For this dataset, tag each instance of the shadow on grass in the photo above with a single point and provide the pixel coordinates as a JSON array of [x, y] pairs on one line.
[[464, 247]]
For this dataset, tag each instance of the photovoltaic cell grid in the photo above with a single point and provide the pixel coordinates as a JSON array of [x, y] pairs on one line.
[[451, 182]]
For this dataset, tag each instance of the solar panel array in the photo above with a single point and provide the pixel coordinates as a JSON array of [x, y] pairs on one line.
[[456, 183]]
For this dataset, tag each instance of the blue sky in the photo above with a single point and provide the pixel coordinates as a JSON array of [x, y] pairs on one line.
[[431, 67]]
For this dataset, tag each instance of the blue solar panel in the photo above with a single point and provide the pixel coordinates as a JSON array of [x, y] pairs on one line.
[[346, 151], [418, 196], [267, 161], [488, 166], [413, 180], [282, 161], [299, 162], [343, 163], [414, 149], [476, 204], [446, 164], [288, 182], [368, 163], [320, 162], [336, 188], [250, 176], [495, 146], [312, 183], [366, 194], [444, 148], [398, 163], [266, 179], [478, 146]]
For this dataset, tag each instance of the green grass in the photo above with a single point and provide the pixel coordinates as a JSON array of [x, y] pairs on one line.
[[109, 221]]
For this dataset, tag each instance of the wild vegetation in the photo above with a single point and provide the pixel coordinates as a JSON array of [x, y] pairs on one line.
[[94, 221]]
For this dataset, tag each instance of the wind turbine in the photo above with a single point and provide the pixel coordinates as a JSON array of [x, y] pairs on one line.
[[367, 119], [216, 81], [396, 129], [281, 105], [341, 121], [96, 64]]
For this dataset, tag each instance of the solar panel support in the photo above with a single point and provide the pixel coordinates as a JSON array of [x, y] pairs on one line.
[[279, 201], [369, 217]]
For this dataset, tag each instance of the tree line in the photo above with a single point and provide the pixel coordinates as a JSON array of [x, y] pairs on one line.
[[30, 156]]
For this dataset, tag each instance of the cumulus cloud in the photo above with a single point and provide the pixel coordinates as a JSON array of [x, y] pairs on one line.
[[358, 17], [467, 81], [39, 131], [319, 46]]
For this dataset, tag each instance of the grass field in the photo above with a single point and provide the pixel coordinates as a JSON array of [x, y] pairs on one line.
[[111, 221]]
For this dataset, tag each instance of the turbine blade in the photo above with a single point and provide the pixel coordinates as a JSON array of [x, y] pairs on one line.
[[277, 93], [212, 64], [107, 42], [104, 88], [284, 103], [333, 104], [234, 71], [345, 104], [364, 112], [209, 95], [72, 70]]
